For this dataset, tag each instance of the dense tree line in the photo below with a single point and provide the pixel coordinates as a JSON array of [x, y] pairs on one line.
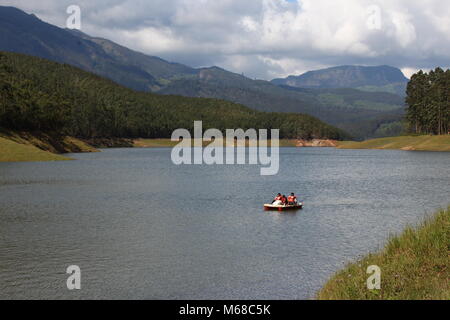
[[39, 95], [428, 101]]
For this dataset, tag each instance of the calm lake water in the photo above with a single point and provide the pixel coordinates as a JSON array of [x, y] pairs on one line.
[[141, 228]]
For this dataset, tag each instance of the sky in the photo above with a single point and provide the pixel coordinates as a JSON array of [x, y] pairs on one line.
[[266, 39]]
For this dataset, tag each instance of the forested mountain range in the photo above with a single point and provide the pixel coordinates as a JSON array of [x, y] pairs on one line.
[[45, 96], [363, 114]]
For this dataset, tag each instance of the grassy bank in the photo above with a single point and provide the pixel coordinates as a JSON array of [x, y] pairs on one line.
[[414, 266], [11, 151], [408, 143], [25, 146]]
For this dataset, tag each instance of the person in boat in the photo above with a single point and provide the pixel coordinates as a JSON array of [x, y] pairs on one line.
[[292, 200], [277, 199], [284, 200]]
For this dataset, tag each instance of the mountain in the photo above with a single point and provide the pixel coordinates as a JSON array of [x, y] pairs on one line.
[[381, 78], [45, 96], [161, 70], [362, 114], [24, 33], [358, 112]]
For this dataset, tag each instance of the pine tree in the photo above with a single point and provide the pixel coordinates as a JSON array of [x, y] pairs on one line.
[[428, 107]]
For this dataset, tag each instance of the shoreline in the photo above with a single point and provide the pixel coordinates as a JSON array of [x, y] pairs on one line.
[[284, 143], [404, 143], [414, 266], [25, 146], [31, 147]]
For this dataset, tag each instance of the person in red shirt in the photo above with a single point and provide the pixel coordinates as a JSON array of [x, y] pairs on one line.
[[284, 200], [292, 199], [279, 197]]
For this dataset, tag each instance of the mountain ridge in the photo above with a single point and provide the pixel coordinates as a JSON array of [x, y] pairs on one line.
[[349, 76]]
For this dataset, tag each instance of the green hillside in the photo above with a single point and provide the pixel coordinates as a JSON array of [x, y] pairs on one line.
[[39, 95], [394, 88]]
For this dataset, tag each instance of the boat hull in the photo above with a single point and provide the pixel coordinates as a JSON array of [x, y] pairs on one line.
[[271, 207]]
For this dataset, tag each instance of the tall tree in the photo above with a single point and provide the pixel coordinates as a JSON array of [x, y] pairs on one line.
[[428, 106]]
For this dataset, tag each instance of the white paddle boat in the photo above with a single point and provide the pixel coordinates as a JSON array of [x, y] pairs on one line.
[[281, 207]]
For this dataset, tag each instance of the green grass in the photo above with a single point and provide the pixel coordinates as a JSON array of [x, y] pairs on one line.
[[285, 143], [414, 266], [154, 143], [11, 151], [38, 146], [409, 143]]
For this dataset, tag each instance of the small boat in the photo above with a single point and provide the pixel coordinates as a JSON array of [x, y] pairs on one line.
[[272, 207]]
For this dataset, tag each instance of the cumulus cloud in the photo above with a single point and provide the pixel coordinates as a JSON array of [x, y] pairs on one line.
[[268, 38]]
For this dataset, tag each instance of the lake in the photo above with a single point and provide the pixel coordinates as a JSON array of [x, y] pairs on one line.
[[140, 227]]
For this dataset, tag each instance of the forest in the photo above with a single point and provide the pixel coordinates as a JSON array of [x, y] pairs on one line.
[[43, 96], [428, 102]]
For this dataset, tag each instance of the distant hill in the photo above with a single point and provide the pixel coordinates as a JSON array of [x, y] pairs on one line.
[[360, 113], [381, 78]]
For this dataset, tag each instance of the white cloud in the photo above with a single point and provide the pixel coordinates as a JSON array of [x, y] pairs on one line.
[[269, 38]]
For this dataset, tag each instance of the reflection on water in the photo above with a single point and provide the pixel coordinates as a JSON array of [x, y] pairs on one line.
[[142, 228]]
